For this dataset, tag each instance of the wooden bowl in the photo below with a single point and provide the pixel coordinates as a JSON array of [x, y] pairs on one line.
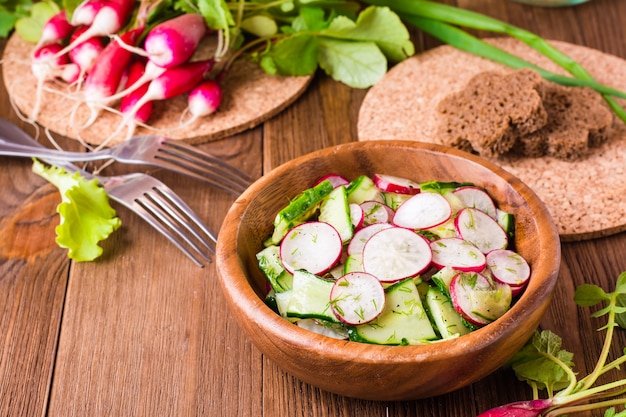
[[377, 372]]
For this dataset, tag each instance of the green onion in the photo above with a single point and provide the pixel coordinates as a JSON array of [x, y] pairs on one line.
[[437, 20]]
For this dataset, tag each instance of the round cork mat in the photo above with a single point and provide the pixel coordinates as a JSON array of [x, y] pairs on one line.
[[250, 96], [586, 198]]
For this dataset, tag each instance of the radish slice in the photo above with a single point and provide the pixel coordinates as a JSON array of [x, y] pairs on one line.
[[508, 267], [376, 212], [478, 299], [475, 197], [423, 211], [480, 229], [361, 236], [357, 298], [391, 184], [335, 179], [357, 217], [396, 253], [314, 247], [458, 254]]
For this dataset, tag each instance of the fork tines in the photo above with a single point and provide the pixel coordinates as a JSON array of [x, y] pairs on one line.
[[203, 166], [172, 216]]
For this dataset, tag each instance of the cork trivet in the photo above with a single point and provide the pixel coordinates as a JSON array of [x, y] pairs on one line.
[[587, 198], [250, 96]]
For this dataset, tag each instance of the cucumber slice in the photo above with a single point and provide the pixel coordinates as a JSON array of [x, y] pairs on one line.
[[335, 211], [394, 200], [272, 267], [354, 263], [325, 328], [402, 322], [299, 210], [363, 189], [447, 320], [507, 222], [443, 278], [310, 297]]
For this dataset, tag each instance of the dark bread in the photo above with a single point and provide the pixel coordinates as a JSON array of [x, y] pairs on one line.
[[492, 112], [520, 113]]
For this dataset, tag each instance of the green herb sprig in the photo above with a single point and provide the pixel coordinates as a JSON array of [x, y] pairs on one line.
[[545, 366]]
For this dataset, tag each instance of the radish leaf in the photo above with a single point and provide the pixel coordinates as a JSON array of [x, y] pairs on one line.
[[86, 216]]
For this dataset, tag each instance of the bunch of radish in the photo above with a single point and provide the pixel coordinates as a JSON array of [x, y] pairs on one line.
[[115, 59], [366, 236]]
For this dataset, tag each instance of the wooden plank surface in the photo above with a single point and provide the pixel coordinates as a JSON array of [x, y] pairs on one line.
[[144, 332]]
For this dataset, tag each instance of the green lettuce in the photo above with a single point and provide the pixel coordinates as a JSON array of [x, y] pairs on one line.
[[86, 216]]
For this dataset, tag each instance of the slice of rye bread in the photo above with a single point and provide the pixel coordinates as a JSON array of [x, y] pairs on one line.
[[492, 112], [521, 113], [577, 120]]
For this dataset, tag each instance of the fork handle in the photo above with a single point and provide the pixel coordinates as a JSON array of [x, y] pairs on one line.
[[12, 149]]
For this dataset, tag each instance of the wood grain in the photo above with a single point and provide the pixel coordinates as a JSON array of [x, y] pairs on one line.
[[143, 332]]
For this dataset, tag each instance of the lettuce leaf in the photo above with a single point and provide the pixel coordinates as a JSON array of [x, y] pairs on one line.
[[86, 216]]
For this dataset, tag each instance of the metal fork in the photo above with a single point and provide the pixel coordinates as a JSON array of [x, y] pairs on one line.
[[148, 150], [149, 198]]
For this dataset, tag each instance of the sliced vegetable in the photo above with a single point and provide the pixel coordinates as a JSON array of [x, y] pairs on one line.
[[396, 253], [357, 298], [423, 211], [393, 184], [402, 322], [458, 254], [472, 196], [312, 246], [478, 299], [480, 229]]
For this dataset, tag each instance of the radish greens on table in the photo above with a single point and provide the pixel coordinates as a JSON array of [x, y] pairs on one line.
[[545, 366]]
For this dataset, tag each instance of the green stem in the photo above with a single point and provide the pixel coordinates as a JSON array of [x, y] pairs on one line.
[[456, 16], [589, 380], [586, 407], [462, 40]]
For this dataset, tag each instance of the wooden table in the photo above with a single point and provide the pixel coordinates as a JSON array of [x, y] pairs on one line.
[[144, 332]]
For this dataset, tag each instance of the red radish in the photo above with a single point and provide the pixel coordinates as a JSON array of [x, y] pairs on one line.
[[204, 99], [361, 236], [55, 30], [70, 73], [471, 196], [376, 212], [86, 12], [396, 253], [478, 299], [423, 211], [174, 82], [174, 41], [109, 18], [46, 65], [335, 179], [480, 229], [357, 298], [106, 74], [508, 267], [392, 184], [314, 247], [356, 215], [135, 72], [85, 53], [458, 254], [532, 408]]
